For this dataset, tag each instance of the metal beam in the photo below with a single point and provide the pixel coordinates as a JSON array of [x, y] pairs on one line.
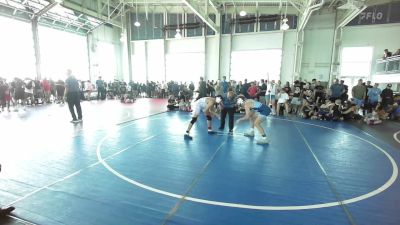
[[36, 45], [310, 8], [379, 2], [214, 5], [45, 9], [295, 6], [78, 8], [349, 16], [196, 8]]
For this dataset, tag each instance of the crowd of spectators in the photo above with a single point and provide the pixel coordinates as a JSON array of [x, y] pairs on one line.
[[310, 100], [313, 100]]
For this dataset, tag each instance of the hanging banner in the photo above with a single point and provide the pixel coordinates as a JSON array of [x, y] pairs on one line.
[[380, 14]]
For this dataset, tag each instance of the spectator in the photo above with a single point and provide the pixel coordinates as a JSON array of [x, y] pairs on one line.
[[336, 90], [172, 103], [233, 86], [101, 89], [263, 90], [387, 96], [202, 89], [239, 88], [88, 89], [359, 92], [47, 90], [397, 52], [344, 97], [287, 88], [386, 54], [318, 92], [296, 101], [224, 85], [270, 95], [244, 89], [325, 110], [349, 111], [313, 84], [60, 90], [29, 86], [283, 98], [252, 90], [373, 97]]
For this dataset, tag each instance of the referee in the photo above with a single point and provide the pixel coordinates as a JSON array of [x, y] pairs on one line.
[[72, 93]]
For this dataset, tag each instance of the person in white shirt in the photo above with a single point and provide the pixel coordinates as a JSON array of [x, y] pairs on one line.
[[283, 98], [29, 87], [164, 88], [270, 95], [88, 89]]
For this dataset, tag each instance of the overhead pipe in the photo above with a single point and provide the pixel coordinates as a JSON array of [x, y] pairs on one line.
[[308, 13], [351, 16], [300, 34]]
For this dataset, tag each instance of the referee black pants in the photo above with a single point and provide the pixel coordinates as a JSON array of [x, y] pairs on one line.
[[230, 112], [73, 99]]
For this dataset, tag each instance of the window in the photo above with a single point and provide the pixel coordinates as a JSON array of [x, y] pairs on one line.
[[139, 62], [61, 51], [17, 55], [155, 61], [245, 24], [210, 31], [256, 65], [198, 30], [185, 67], [227, 25], [356, 62], [106, 65], [174, 19]]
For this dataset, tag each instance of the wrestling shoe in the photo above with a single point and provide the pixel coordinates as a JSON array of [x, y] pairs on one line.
[[6, 211], [262, 141], [187, 136], [249, 133]]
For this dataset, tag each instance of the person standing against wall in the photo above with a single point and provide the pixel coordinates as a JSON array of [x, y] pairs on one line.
[[202, 89], [72, 93], [359, 92], [101, 89], [387, 96], [224, 85], [336, 90], [373, 97]]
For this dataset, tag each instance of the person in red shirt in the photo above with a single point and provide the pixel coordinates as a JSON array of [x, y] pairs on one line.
[[47, 90], [253, 90]]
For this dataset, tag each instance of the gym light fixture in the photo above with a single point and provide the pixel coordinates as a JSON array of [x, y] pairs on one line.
[[137, 23], [284, 25], [178, 34], [242, 12]]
